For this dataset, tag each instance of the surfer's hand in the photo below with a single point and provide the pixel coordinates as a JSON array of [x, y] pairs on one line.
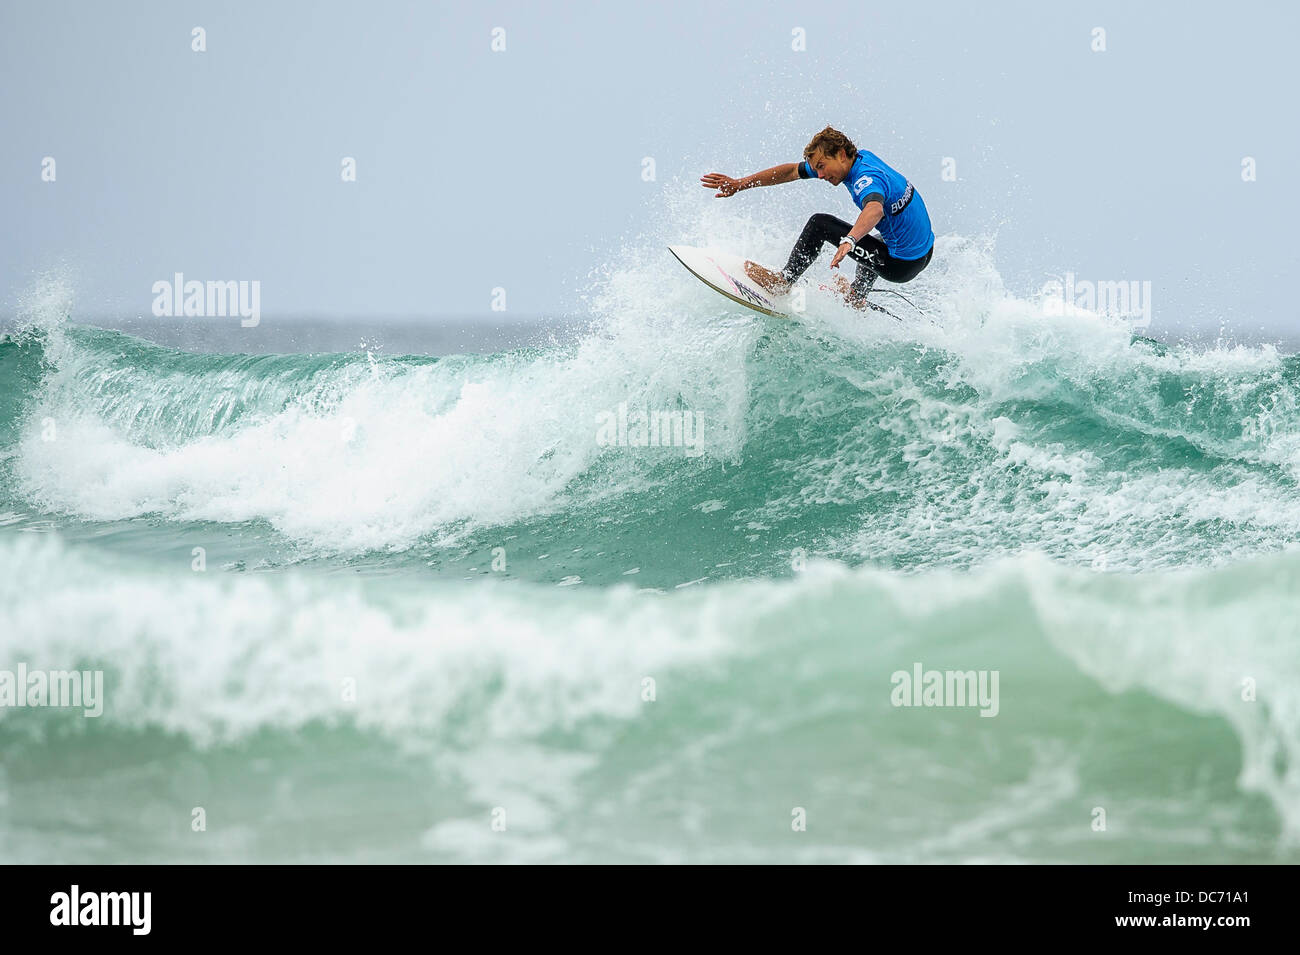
[[842, 251], [725, 185]]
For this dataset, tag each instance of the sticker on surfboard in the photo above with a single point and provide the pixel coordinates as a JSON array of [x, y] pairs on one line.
[[725, 273]]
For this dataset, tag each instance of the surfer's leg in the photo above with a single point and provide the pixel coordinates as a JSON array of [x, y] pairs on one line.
[[862, 282], [902, 270], [868, 253], [820, 228]]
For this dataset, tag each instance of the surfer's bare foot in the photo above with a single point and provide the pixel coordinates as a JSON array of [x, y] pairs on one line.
[[773, 282], [846, 289]]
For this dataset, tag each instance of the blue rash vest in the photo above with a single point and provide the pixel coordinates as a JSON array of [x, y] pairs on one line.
[[905, 226]]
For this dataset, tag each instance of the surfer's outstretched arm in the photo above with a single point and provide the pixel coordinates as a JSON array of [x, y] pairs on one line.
[[726, 186]]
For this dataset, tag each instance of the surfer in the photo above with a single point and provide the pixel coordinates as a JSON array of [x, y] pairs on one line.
[[888, 203]]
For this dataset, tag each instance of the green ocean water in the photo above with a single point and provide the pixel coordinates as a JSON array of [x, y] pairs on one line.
[[362, 606]]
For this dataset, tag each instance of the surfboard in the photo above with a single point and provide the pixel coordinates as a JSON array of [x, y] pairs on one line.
[[725, 273]]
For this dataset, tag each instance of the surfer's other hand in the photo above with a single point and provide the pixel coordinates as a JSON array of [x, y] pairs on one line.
[[842, 251], [725, 185]]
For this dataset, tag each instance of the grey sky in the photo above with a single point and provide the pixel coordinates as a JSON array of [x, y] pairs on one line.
[[522, 168]]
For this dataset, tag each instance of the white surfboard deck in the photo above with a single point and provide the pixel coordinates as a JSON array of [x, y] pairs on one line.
[[725, 273]]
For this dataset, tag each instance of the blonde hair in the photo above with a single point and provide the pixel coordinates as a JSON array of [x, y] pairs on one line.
[[830, 141]]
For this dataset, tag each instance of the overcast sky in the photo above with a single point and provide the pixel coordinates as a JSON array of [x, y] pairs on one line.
[[521, 168]]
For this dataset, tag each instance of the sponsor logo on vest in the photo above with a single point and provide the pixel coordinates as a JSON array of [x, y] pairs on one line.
[[861, 184], [900, 203]]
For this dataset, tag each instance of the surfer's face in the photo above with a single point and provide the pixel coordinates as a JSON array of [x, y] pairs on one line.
[[831, 168]]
